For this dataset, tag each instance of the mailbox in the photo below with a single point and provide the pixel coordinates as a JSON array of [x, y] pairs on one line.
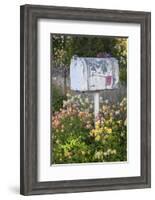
[[93, 74]]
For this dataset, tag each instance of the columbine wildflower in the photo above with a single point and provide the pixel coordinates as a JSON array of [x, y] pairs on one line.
[[108, 130]]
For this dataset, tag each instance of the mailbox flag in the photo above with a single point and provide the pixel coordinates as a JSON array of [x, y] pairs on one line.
[[108, 80]]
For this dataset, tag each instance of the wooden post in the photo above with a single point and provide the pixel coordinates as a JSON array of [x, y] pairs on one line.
[[96, 104], [65, 81]]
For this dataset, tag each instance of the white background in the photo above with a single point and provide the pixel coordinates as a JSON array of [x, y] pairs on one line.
[[9, 99], [85, 171]]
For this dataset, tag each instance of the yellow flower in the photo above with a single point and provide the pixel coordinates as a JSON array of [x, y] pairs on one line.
[[104, 107], [97, 138], [119, 122], [108, 130], [114, 151], [82, 152], [111, 119], [92, 132], [97, 124], [98, 155]]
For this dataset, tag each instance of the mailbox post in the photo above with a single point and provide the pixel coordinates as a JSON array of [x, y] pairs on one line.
[[96, 104], [93, 75]]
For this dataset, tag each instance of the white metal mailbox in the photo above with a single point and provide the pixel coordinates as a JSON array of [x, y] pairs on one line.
[[93, 74]]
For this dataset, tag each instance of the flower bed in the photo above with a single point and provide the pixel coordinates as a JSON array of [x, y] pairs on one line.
[[78, 138]]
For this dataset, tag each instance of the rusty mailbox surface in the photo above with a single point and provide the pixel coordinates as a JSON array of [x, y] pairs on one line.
[[93, 74]]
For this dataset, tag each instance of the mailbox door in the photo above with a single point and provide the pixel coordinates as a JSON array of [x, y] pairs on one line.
[[100, 82], [97, 82], [100, 74]]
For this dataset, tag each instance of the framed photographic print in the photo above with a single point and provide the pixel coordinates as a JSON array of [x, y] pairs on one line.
[[85, 99]]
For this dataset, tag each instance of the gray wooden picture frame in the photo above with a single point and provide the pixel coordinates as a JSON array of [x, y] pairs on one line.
[[29, 15]]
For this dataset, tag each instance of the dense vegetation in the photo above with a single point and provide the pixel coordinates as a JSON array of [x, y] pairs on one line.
[[76, 139]]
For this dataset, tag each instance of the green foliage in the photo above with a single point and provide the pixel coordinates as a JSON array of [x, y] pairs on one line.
[[69, 142], [77, 140], [64, 47], [123, 74], [57, 98]]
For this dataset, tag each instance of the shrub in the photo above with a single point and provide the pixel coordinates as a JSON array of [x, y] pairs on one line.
[[57, 98], [110, 132], [77, 140], [71, 134]]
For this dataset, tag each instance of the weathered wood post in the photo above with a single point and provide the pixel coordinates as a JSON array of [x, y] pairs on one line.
[[65, 81], [96, 104]]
